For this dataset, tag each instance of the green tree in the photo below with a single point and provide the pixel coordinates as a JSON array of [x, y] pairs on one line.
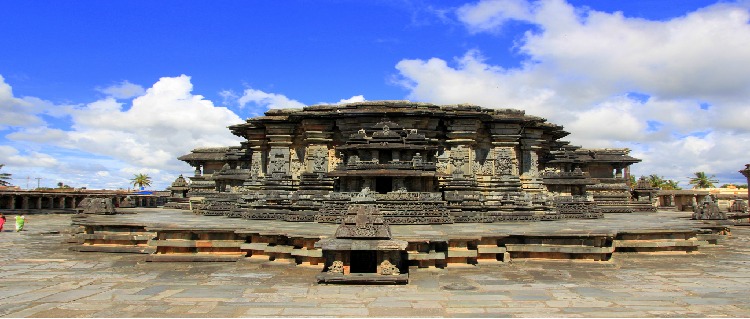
[[63, 185], [631, 181], [661, 182], [4, 177], [670, 184], [655, 180], [701, 180], [141, 180]]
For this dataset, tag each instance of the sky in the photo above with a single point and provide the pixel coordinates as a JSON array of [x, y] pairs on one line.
[[93, 92]]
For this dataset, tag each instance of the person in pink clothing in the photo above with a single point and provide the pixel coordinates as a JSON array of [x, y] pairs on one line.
[[2, 221]]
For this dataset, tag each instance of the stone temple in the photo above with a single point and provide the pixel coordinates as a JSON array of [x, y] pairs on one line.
[[420, 163], [367, 192]]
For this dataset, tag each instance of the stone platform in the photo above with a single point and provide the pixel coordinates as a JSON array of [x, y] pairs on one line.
[[42, 278], [174, 235]]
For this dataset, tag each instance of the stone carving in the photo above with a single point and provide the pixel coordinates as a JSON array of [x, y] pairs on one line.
[[387, 268], [505, 161], [337, 267], [708, 209], [296, 167], [278, 160], [443, 163], [333, 160], [457, 161], [256, 165], [319, 164], [363, 221]]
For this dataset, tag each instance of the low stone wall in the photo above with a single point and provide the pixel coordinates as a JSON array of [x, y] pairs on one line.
[[180, 244]]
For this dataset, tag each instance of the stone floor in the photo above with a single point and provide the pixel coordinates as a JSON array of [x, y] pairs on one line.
[[39, 277]]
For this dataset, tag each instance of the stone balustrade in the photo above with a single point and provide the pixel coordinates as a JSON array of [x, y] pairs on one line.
[[392, 196], [374, 164]]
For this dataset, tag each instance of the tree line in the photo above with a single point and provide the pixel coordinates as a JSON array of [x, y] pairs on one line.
[[699, 180]]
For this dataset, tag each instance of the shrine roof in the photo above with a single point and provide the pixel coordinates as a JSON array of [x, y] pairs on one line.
[[206, 154]]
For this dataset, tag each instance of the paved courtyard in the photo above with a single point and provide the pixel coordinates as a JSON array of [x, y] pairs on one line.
[[39, 277]]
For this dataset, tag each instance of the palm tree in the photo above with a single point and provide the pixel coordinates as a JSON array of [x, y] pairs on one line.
[[141, 180], [701, 180], [4, 177]]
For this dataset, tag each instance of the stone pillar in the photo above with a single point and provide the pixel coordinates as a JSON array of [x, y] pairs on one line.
[[618, 172], [462, 138], [51, 204], [62, 202], [746, 172], [12, 202], [530, 165], [25, 202]]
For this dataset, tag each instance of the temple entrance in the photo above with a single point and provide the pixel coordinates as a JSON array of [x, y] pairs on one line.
[[363, 261], [383, 184]]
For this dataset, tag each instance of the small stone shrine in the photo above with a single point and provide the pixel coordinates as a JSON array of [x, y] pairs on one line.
[[362, 250], [96, 205]]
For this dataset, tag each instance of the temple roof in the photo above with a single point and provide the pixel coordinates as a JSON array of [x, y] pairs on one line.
[[206, 154], [400, 108]]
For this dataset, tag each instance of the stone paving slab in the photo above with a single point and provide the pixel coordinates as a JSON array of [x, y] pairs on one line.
[[39, 277]]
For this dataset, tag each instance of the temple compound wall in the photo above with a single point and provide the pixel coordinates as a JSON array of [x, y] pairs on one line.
[[423, 164], [41, 200]]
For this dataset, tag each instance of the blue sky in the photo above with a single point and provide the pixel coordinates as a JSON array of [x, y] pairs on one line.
[[95, 91]]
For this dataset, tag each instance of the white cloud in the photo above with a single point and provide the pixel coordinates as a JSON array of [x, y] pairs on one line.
[[161, 124], [353, 99], [16, 112], [12, 157], [123, 90], [491, 15], [263, 101], [580, 65]]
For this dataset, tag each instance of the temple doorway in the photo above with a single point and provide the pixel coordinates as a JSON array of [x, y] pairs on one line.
[[383, 184], [364, 261]]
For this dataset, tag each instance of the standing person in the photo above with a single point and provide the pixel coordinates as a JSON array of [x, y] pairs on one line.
[[20, 220], [2, 221]]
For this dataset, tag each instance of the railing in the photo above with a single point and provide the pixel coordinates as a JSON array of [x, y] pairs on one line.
[[575, 198], [565, 175], [374, 164], [233, 171], [392, 196]]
